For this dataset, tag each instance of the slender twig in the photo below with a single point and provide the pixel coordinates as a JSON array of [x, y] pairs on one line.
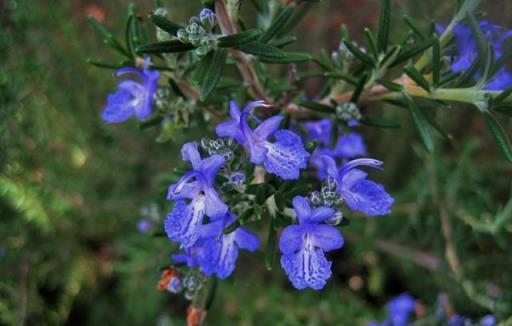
[[243, 62]]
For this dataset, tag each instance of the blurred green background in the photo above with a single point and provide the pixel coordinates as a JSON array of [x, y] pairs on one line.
[[72, 189]]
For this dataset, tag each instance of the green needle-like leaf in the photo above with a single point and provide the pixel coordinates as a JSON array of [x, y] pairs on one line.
[[384, 22], [421, 123], [240, 38], [499, 135], [213, 74], [165, 24], [261, 50], [277, 24], [173, 46]]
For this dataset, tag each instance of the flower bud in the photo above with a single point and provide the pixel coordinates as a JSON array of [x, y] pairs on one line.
[[207, 18], [315, 198], [348, 111], [175, 285], [335, 219]]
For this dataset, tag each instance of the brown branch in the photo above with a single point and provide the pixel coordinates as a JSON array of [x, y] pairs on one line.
[[243, 62]]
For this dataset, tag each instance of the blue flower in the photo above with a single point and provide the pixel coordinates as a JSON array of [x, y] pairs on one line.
[[132, 97], [198, 187], [457, 320], [468, 51], [190, 256], [359, 193], [400, 309], [283, 157], [220, 251], [144, 225], [488, 320], [303, 246], [350, 146], [320, 131]]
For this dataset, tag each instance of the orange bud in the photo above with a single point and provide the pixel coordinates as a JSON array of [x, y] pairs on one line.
[[195, 317]]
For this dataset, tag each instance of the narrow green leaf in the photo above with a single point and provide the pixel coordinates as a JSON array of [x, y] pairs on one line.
[[202, 68], [412, 51], [173, 46], [413, 27], [315, 106], [262, 50], [417, 77], [371, 42], [360, 55], [214, 72], [108, 38], [290, 57], [277, 24], [421, 124], [271, 244], [296, 18], [384, 22], [380, 122], [359, 89], [481, 41], [284, 41], [394, 87], [232, 227], [103, 65], [346, 78], [500, 135], [504, 96], [436, 62], [238, 39], [165, 24]]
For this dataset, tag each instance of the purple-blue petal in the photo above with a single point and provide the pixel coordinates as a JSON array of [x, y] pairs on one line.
[[307, 268], [268, 127], [350, 146], [246, 239], [291, 239], [286, 156], [302, 208], [364, 195], [183, 221]]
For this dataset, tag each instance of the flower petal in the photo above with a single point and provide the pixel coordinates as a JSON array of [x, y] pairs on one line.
[[246, 239], [190, 153], [307, 268], [186, 191], [286, 156], [321, 214], [219, 257], [319, 130], [230, 128], [326, 237], [214, 205], [209, 167], [350, 146], [302, 208], [291, 239], [364, 195], [182, 222], [118, 108], [234, 111], [268, 127]]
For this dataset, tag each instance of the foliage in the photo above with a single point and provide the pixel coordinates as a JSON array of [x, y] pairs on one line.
[[72, 189]]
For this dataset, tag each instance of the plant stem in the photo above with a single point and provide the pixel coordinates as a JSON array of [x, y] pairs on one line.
[[243, 62]]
